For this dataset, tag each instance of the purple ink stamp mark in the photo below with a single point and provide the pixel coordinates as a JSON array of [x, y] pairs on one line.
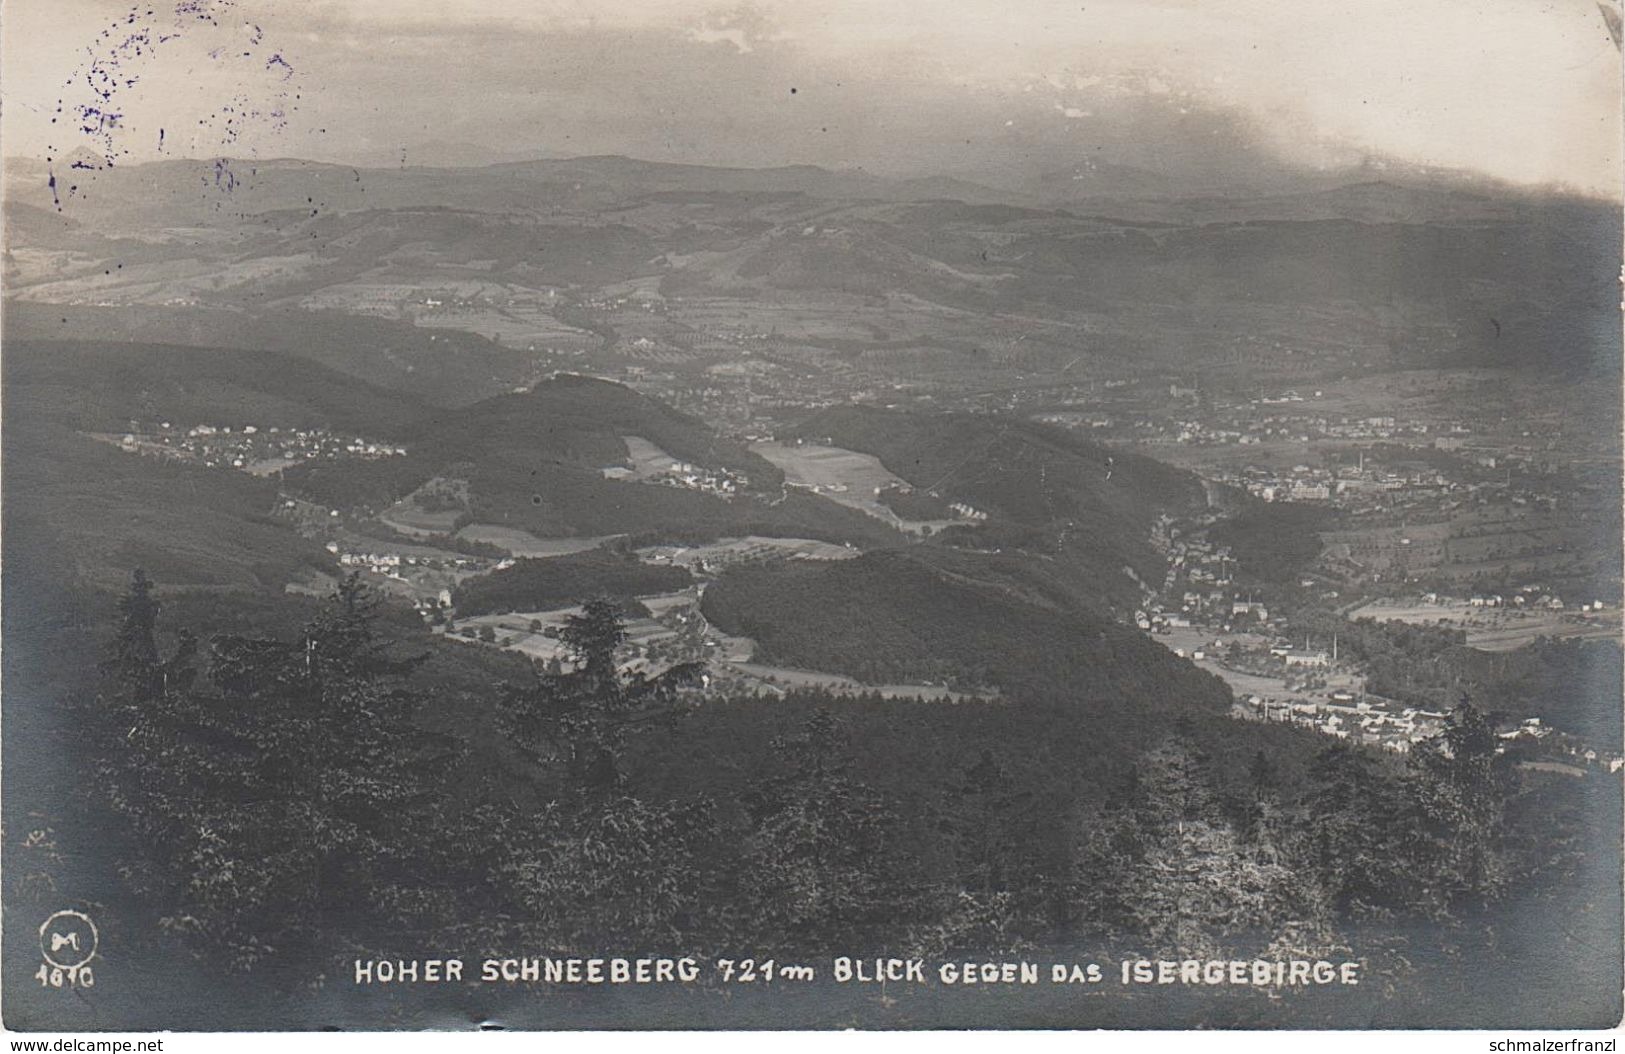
[[197, 38]]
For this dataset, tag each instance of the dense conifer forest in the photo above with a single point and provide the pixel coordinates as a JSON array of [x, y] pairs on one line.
[[279, 806]]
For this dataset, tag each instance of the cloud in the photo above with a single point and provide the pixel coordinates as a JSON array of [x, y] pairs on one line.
[[736, 37], [1518, 90]]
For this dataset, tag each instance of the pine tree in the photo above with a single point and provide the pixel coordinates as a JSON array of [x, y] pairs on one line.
[[1461, 783], [1355, 815], [576, 721], [607, 871], [341, 768], [817, 873], [289, 802], [1111, 850], [980, 908], [981, 806], [142, 709], [595, 865], [1165, 870]]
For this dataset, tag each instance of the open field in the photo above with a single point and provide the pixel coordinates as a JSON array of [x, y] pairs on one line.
[[661, 604], [270, 466], [355, 542], [783, 677], [525, 631], [514, 324], [1470, 544], [523, 543], [728, 552], [409, 519], [164, 281], [1494, 629], [843, 476], [647, 460], [431, 509]]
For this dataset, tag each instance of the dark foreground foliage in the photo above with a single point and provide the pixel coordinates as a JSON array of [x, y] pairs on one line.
[[284, 808]]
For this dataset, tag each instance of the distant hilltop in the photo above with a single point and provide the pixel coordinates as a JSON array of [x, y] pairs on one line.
[[452, 173]]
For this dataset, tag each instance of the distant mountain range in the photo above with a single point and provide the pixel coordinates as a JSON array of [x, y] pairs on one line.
[[466, 176], [1415, 268]]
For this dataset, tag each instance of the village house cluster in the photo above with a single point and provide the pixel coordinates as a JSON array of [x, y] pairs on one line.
[[1531, 596], [398, 566], [250, 447], [428, 577], [1195, 587], [1385, 723], [1314, 686], [1361, 719], [715, 481]]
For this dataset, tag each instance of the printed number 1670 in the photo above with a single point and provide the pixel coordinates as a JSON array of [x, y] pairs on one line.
[[70, 977]]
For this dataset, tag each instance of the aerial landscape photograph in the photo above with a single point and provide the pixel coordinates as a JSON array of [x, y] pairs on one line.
[[829, 515]]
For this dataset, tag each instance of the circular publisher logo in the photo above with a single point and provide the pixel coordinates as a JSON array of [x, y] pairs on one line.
[[68, 939]]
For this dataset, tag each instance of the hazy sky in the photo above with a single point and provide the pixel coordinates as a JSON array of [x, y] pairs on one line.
[[1005, 90]]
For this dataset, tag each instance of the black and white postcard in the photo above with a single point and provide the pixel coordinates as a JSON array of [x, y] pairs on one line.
[[811, 514]]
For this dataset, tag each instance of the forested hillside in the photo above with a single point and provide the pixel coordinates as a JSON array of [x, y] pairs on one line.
[[809, 825], [933, 615]]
